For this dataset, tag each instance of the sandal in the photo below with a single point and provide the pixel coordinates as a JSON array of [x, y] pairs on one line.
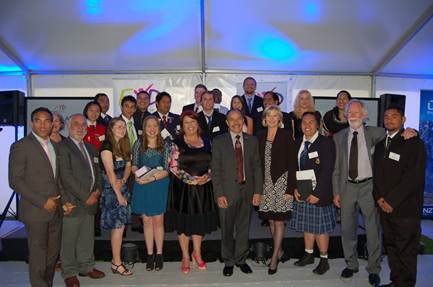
[[125, 272]]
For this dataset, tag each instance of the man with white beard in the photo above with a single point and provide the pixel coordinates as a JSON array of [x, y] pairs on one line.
[[353, 188]]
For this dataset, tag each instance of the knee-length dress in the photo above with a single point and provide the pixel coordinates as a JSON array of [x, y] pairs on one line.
[[113, 215], [273, 205], [191, 208], [151, 198]]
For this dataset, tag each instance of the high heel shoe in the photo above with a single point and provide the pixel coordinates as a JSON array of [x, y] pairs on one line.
[[273, 271], [159, 262], [185, 266], [201, 265], [150, 262], [125, 272]]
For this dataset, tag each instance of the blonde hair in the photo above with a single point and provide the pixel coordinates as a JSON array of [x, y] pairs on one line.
[[297, 107], [268, 110]]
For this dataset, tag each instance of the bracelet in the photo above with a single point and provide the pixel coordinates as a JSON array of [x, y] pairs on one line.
[[154, 178]]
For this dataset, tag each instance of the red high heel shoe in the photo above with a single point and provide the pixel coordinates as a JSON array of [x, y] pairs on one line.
[[201, 265], [185, 266]]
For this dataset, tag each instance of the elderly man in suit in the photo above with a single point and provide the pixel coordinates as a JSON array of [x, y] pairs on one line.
[[399, 175], [33, 174], [238, 182], [79, 175], [353, 188]]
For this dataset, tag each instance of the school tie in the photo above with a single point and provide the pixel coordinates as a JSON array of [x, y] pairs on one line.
[[209, 122], [353, 157], [304, 155], [239, 160], [131, 133], [250, 101]]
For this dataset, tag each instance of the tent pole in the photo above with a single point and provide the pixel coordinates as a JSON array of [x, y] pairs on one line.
[[202, 37]]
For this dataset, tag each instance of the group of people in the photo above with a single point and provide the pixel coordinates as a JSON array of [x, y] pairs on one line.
[[207, 168]]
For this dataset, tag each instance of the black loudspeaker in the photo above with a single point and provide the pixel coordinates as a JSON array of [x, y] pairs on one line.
[[11, 108], [390, 100]]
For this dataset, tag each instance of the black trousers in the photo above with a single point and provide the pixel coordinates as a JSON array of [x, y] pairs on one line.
[[44, 239], [401, 240]]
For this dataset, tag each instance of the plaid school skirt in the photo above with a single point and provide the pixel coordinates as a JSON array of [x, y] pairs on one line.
[[313, 219]]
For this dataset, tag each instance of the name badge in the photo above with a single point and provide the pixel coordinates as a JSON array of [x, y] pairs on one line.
[[260, 109], [139, 132], [394, 156], [216, 129], [313, 154], [96, 160], [101, 138], [282, 125], [165, 133]]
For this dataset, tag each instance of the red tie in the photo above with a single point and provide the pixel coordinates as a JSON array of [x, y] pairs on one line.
[[239, 160], [164, 121]]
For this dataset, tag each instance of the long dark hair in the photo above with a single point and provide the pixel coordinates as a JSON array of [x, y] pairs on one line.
[[144, 143], [123, 147]]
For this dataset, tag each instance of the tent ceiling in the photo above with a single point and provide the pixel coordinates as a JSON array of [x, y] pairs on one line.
[[320, 36]]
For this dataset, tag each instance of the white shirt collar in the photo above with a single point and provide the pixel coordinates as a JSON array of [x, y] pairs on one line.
[[126, 120], [208, 115], [315, 136], [161, 115], [103, 115], [90, 123], [393, 134], [41, 140]]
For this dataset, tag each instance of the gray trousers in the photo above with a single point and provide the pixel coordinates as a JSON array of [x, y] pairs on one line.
[[77, 245], [44, 245], [235, 224], [358, 197]]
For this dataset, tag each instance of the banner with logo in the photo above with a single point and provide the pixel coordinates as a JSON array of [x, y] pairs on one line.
[[426, 133], [180, 87]]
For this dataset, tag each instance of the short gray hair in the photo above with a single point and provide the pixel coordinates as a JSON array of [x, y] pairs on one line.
[[270, 109], [75, 115], [355, 101]]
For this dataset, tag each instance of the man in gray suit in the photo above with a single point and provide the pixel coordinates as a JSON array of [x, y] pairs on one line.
[[237, 184], [33, 174], [79, 174], [353, 188]]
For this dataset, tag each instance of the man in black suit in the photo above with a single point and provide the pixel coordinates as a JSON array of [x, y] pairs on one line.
[[212, 122], [399, 174], [34, 175], [104, 102], [271, 98], [79, 174], [143, 100], [238, 185], [198, 92], [169, 122], [253, 104]]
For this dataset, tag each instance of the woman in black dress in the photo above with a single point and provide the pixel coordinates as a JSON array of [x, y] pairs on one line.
[[335, 120], [192, 211]]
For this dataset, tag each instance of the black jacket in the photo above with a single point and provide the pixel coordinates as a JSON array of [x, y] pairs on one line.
[[399, 175], [256, 109], [219, 125]]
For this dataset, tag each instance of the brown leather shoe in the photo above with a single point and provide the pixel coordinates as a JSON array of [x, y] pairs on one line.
[[94, 274], [72, 282]]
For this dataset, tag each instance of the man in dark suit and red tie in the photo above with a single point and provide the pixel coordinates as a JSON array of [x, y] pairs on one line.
[[238, 185], [169, 122], [399, 174], [34, 175]]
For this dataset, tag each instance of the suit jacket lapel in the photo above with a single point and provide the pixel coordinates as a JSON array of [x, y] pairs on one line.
[[77, 151], [368, 143]]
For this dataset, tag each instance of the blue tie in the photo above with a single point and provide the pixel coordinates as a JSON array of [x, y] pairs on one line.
[[209, 121], [304, 156], [250, 100]]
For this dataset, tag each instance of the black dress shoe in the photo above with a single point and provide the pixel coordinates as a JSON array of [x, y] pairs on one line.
[[322, 268], [347, 273], [245, 268], [306, 259], [228, 271], [374, 279], [159, 262], [150, 262], [272, 271]]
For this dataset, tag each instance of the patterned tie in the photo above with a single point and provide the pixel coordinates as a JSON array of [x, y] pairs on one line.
[[239, 160], [353, 157], [86, 158], [164, 121], [131, 133], [304, 155]]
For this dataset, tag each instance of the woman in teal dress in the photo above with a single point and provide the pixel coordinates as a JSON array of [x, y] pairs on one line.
[[149, 197], [115, 163]]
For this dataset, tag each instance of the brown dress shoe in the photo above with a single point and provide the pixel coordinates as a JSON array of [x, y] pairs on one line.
[[94, 274], [72, 282]]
